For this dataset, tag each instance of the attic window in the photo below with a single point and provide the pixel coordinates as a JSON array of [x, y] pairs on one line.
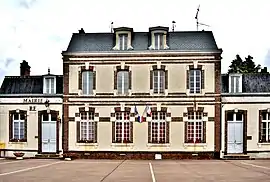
[[235, 83], [123, 38], [49, 85], [158, 38]]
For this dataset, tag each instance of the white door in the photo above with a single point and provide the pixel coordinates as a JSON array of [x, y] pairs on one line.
[[235, 135], [48, 134]]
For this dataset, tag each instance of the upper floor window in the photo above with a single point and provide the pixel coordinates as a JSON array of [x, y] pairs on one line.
[[159, 41], [159, 81], [49, 85], [122, 82], [87, 82], [123, 41], [235, 83], [195, 81]]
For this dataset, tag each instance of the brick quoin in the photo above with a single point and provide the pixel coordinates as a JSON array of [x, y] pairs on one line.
[[65, 107]]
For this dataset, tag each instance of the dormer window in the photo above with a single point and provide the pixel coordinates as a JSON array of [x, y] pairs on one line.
[[235, 83], [158, 38], [49, 85], [123, 38]]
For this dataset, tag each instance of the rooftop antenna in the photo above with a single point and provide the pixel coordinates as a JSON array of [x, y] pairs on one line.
[[197, 19], [173, 25], [112, 27]]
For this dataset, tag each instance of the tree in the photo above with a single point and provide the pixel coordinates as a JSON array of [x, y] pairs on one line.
[[247, 66]]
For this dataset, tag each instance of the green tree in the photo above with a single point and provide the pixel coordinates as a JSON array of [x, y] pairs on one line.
[[247, 66]]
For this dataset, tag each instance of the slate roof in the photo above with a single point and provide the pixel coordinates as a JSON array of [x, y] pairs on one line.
[[251, 83], [177, 41], [28, 85]]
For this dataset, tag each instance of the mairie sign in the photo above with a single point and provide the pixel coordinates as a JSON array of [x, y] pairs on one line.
[[32, 100]]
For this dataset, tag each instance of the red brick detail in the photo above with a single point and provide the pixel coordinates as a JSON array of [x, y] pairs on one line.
[[65, 123], [217, 107]]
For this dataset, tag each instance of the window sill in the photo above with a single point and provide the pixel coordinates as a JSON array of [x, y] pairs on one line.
[[86, 144], [195, 145], [122, 144], [263, 143], [21, 143], [158, 145]]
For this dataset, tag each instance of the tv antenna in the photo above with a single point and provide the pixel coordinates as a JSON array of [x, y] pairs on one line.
[[173, 25], [197, 19], [111, 27]]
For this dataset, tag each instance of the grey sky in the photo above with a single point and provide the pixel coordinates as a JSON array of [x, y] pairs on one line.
[[39, 30]]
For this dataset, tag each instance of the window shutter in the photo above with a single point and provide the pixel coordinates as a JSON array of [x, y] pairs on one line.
[[129, 80], [186, 132], [95, 139], [204, 132], [113, 132], [167, 132], [260, 126], [78, 131], [166, 79], [149, 132], [94, 80], [131, 132], [151, 79], [80, 80], [187, 78], [25, 124], [115, 80], [10, 126], [202, 79]]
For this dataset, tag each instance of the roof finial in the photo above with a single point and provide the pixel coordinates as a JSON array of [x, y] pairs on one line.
[[173, 25], [112, 27], [49, 71]]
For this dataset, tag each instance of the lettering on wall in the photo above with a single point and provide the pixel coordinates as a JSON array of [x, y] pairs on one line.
[[32, 100], [32, 108]]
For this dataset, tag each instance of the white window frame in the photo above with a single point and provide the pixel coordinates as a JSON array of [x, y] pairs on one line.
[[88, 122], [121, 90], [196, 122], [267, 121], [124, 38], [193, 88], [159, 121], [19, 121], [45, 85], [88, 83], [231, 76], [159, 89], [159, 36], [122, 121]]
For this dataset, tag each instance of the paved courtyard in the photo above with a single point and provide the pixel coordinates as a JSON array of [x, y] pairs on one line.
[[49, 170]]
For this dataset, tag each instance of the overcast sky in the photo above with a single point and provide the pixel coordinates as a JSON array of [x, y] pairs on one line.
[[39, 30]]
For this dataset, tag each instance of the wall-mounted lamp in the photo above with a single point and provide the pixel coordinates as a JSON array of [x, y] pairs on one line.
[[47, 105]]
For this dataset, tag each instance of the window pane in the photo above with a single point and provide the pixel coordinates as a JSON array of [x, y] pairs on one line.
[[232, 84], [87, 82], [45, 117], [239, 116], [16, 129], [52, 86], [47, 80], [263, 131], [237, 84], [123, 41], [122, 82], [230, 116]]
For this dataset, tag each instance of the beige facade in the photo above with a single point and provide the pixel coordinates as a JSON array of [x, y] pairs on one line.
[[254, 105], [31, 106]]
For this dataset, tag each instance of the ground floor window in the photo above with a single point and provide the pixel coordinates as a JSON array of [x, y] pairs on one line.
[[122, 127], [18, 126], [194, 127], [87, 128], [265, 127], [158, 128]]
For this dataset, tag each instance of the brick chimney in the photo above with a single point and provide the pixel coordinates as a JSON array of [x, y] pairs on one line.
[[25, 69]]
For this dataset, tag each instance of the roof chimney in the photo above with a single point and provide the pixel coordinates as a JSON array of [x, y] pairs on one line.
[[25, 69], [81, 31]]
